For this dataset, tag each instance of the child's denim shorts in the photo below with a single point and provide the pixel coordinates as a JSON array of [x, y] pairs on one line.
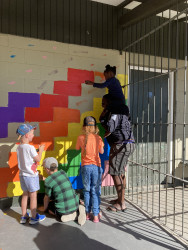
[[30, 184]]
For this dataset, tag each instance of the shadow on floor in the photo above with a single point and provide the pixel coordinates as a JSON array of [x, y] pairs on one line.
[[63, 236], [60, 236]]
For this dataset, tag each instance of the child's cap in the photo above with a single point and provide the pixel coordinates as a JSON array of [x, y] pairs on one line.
[[49, 161], [89, 121], [23, 129]]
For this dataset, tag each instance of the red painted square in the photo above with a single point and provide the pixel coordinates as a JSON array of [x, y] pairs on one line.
[[53, 100], [42, 114], [78, 75], [67, 88]]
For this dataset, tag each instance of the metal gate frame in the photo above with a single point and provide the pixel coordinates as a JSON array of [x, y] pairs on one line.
[[145, 197]]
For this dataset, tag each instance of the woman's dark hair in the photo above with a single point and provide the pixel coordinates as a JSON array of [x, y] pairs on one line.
[[108, 97], [110, 68], [113, 101]]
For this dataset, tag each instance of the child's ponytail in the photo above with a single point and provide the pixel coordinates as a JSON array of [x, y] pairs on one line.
[[85, 144]]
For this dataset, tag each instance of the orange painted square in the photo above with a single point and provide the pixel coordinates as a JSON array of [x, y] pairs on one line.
[[54, 129], [13, 161], [66, 115], [3, 189]]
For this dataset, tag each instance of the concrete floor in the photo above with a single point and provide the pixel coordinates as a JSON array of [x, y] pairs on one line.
[[177, 221], [128, 230]]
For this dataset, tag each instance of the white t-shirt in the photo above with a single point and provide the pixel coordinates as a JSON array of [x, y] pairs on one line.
[[26, 163]]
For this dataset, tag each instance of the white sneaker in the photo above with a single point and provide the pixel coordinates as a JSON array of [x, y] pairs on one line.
[[82, 215], [24, 219], [38, 218], [69, 217]]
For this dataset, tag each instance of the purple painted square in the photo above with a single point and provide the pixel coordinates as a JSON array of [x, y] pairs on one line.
[[3, 130], [23, 99], [4, 114], [16, 109], [16, 114]]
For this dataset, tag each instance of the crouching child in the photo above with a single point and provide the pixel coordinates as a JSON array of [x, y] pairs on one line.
[[60, 198]]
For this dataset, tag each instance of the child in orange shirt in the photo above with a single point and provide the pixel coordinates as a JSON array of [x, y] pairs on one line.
[[91, 145]]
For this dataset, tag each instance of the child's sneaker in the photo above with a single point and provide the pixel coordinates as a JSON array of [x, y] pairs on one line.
[[24, 219], [82, 215], [38, 218], [69, 217]]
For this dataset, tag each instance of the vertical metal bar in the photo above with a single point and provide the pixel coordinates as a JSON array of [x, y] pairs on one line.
[[143, 73], [148, 108], [169, 115], [140, 169], [160, 128], [131, 110], [132, 80], [184, 123], [125, 84], [137, 113], [132, 169], [175, 112], [159, 153], [130, 87], [154, 119], [146, 120]]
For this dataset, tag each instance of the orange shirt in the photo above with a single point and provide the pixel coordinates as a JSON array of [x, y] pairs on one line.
[[94, 146]]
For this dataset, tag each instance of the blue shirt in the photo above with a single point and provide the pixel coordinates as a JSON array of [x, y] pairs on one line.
[[114, 87]]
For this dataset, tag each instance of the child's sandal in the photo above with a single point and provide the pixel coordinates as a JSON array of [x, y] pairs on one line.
[[88, 216], [96, 220]]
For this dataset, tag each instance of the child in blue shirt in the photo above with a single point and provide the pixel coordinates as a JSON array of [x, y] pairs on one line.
[[112, 83]]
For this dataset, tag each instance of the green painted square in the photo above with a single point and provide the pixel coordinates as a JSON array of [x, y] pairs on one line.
[[101, 130], [42, 189], [72, 167], [73, 171], [70, 170], [73, 157]]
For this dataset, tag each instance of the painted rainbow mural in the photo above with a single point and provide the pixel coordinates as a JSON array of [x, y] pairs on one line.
[[58, 124]]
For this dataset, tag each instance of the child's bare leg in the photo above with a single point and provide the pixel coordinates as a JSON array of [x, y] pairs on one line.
[[33, 203], [24, 201], [95, 217], [51, 212]]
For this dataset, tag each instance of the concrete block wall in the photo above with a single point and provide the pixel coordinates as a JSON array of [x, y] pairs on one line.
[[42, 82]]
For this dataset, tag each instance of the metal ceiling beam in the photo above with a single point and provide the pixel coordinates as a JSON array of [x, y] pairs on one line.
[[181, 6], [124, 3], [145, 10]]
